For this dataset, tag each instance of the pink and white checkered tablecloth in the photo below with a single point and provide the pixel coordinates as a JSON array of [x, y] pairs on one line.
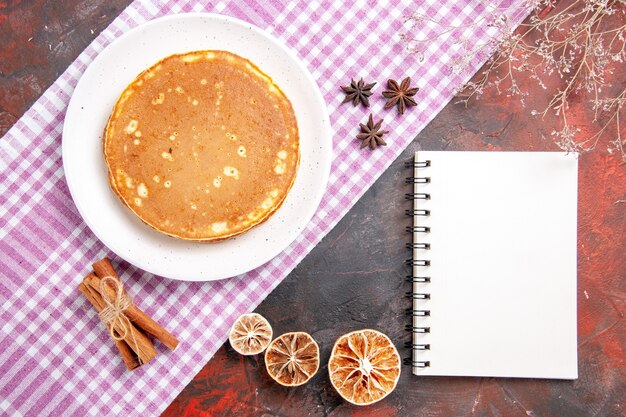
[[55, 358]]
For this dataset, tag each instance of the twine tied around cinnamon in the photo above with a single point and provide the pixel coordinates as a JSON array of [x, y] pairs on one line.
[[112, 315]]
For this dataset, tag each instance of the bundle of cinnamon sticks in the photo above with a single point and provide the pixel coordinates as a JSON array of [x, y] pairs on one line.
[[131, 326]]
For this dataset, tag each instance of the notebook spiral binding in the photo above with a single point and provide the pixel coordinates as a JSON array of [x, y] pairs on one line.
[[413, 295]]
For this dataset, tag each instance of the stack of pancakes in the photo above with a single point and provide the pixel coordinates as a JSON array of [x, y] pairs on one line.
[[202, 146]]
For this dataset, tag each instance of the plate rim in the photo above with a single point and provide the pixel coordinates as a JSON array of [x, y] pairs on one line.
[[325, 126]]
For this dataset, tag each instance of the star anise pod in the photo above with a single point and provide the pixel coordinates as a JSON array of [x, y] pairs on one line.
[[400, 94], [371, 134], [358, 92]]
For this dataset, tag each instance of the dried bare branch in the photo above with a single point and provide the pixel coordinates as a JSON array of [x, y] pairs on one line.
[[579, 43]]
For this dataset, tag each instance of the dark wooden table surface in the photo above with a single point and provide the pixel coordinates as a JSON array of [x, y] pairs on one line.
[[355, 277]]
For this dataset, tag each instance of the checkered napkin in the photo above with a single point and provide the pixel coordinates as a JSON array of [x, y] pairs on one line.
[[55, 357]]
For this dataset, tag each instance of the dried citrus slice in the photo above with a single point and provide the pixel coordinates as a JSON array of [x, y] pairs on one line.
[[292, 359], [364, 366], [250, 334]]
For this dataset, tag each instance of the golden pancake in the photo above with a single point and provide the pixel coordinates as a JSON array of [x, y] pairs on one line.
[[202, 146]]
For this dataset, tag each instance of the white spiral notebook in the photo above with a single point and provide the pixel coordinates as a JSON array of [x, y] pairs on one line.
[[494, 264]]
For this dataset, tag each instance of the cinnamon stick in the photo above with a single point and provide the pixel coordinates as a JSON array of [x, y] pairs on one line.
[[103, 268], [135, 339], [129, 358]]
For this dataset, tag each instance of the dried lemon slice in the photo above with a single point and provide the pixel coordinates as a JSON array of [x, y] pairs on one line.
[[250, 334], [364, 366], [292, 359]]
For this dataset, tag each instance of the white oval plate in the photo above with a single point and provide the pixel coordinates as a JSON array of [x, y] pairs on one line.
[[92, 102]]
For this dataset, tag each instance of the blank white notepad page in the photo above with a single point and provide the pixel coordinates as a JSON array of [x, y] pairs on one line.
[[502, 264]]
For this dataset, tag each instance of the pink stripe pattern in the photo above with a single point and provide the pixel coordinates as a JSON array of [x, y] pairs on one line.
[[55, 358]]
